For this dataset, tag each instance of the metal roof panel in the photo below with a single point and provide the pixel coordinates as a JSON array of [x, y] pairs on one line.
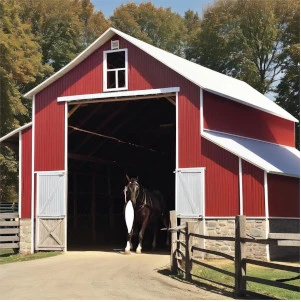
[[273, 158]]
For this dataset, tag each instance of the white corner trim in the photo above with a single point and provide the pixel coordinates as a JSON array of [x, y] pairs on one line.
[[201, 111], [66, 176], [20, 175], [118, 94], [32, 174], [266, 195], [240, 176]]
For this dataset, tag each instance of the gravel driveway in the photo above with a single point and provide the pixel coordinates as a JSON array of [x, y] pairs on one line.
[[96, 275]]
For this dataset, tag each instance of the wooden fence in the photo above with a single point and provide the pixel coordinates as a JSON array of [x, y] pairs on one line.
[[9, 231], [240, 261]]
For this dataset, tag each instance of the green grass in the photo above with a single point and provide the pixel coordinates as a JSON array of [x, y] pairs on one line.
[[8, 256], [252, 270]]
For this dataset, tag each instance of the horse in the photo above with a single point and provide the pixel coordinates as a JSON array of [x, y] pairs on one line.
[[149, 207]]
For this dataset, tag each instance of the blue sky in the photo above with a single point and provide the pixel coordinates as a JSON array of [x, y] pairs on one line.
[[178, 6]]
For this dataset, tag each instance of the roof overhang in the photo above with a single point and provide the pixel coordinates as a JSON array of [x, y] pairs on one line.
[[13, 135], [272, 158], [120, 95]]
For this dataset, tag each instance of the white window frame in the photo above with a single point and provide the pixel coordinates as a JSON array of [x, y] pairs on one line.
[[105, 71]]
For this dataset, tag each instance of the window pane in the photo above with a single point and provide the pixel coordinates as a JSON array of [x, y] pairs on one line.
[[116, 60], [111, 81], [121, 78]]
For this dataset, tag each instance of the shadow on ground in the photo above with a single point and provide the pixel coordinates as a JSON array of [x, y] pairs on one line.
[[215, 289]]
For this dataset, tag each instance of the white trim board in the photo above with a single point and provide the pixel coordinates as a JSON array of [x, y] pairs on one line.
[[118, 94], [3, 138]]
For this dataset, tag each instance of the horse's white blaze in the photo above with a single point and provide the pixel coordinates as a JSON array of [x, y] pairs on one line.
[[129, 215]]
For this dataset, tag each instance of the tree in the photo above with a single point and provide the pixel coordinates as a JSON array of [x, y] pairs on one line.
[[94, 23], [157, 26], [63, 28], [244, 39], [193, 25], [288, 90], [20, 63]]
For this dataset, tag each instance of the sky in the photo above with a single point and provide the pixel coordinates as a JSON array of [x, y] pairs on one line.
[[177, 6]]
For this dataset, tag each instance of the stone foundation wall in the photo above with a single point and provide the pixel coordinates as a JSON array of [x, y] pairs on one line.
[[226, 228], [25, 236]]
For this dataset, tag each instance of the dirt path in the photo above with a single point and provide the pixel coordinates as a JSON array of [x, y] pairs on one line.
[[96, 275]]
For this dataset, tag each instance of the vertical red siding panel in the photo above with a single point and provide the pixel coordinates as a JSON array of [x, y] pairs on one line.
[[224, 115], [253, 190], [49, 132], [284, 196], [26, 173], [221, 180]]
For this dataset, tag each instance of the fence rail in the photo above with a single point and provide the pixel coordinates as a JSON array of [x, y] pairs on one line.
[[9, 207], [9, 231], [240, 260]]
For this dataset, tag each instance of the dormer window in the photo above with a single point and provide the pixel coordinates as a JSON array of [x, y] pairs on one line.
[[115, 70]]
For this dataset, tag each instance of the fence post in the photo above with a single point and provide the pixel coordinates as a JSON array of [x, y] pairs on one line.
[[240, 265], [190, 226], [173, 243]]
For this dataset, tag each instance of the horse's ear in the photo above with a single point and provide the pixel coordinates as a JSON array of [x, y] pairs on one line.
[[137, 178], [127, 177]]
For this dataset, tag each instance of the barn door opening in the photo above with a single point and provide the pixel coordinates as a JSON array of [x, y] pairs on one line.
[[190, 197], [108, 139], [51, 211]]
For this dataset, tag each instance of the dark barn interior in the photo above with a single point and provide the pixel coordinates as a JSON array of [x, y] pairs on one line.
[[106, 141]]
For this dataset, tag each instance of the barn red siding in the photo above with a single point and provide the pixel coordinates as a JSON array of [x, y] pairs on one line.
[[49, 132], [144, 73], [221, 180], [284, 196], [253, 190], [26, 173], [224, 115]]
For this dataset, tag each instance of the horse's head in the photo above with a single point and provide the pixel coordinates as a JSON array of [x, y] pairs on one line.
[[132, 190]]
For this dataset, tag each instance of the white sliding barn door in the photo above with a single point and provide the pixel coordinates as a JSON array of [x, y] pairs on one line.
[[190, 192], [51, 211]]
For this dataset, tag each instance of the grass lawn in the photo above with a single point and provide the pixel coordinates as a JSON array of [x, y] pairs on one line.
[[252, 270], [8, 256]]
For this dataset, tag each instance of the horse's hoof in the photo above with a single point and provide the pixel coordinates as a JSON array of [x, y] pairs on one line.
[[127, 252], [138, 251]]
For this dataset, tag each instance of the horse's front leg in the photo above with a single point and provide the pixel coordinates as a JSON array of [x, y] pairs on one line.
[[128, 247], [141, 233]]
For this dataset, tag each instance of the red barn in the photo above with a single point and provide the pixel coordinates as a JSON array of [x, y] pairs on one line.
[[124, 106]]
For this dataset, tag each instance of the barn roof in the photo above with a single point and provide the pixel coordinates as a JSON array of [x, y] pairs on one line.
[[205, 78], [272, 158], [13, 136]]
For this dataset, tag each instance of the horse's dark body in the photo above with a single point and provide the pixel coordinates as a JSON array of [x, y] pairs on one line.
[[149, 208]]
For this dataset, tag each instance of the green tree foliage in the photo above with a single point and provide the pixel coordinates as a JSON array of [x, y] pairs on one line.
[[288, 90], [63, 28], [155, 25], [20, 63], [244, 39]]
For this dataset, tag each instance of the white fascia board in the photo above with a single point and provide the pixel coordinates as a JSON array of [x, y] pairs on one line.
[[117, 94], [15, 131], [83, 55]]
